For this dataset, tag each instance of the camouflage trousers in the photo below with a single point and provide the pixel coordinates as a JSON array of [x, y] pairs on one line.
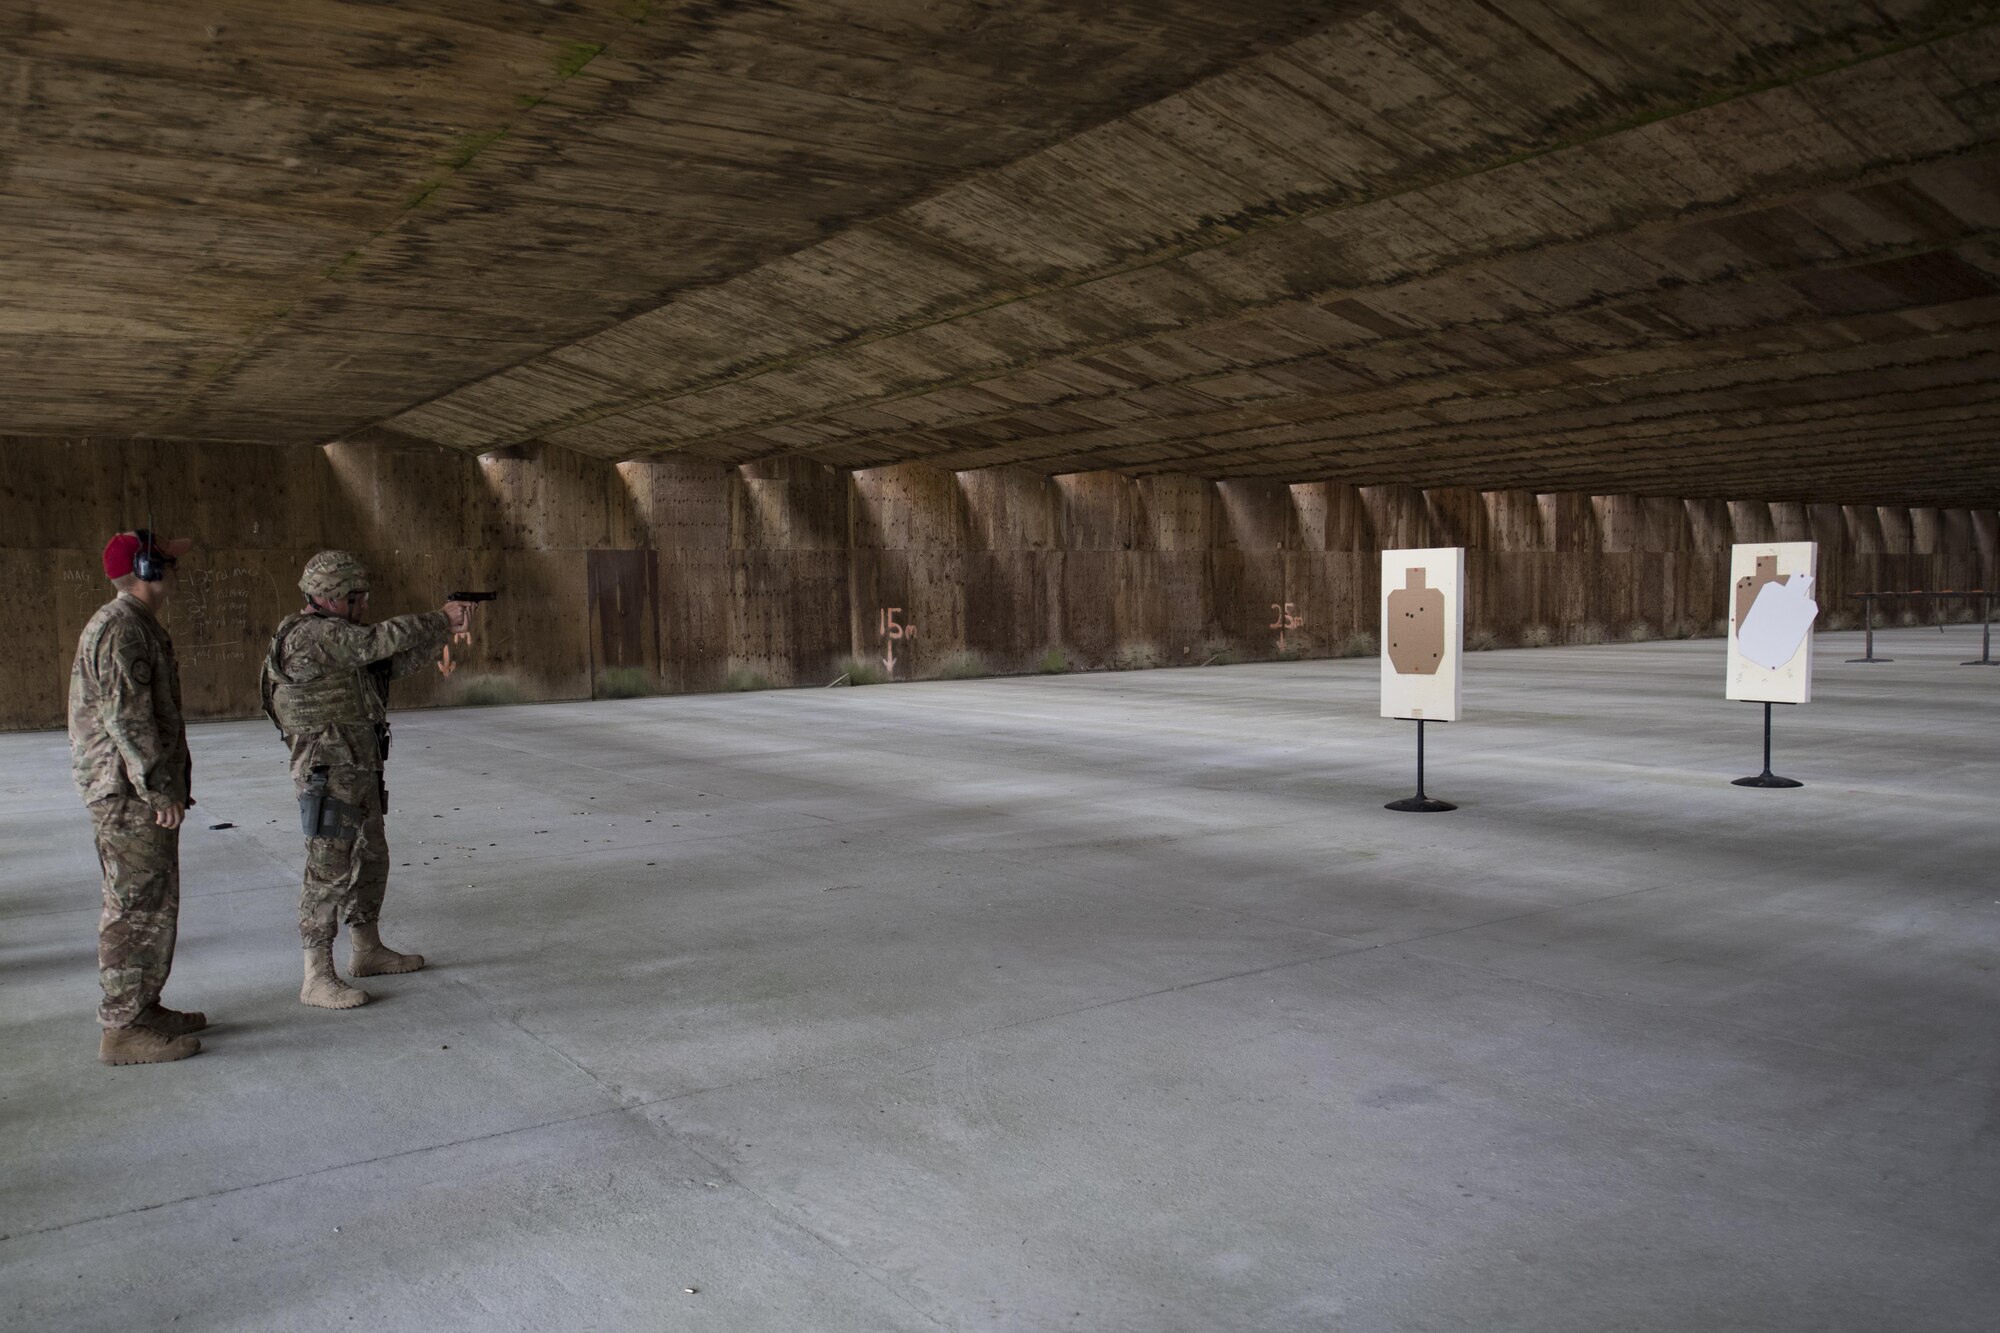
[[142, 906], [346, 875]]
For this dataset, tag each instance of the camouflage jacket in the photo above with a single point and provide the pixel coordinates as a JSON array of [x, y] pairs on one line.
[[126, 737], [319, 689]]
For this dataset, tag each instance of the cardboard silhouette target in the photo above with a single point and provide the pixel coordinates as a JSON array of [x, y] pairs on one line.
[[1770, 628], [1423, 632], [1415, 623]]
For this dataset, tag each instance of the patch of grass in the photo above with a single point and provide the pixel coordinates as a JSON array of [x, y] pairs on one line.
[[487, 692], [1587, 632], [963, 665], [1136, 657], [1216, 652], [626, 683], [1359, 644], [742, 679], [1537, 636], [1683, 629], [1054, 662], [1481, 640], [1840, 620], [1639, 632], [861, 671]]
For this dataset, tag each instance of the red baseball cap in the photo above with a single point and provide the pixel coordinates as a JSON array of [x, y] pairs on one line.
[[118, 552]]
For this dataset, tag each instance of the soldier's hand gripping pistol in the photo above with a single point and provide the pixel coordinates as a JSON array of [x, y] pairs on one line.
[[459, 606]]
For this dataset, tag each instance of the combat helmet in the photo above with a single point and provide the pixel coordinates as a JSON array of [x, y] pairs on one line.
[[331, 575]]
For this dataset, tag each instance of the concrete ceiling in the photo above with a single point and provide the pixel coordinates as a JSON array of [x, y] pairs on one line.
[[1697, 247]]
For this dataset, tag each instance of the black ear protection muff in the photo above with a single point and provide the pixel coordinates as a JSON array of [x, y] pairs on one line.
[[149, 562]]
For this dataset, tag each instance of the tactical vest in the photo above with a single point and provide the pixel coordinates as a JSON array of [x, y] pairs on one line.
[[306, 708]]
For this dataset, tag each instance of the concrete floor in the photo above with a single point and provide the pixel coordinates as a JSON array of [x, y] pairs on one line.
[[1105, 1002]]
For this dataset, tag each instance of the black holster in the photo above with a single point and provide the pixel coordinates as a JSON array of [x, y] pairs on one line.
[[324, 816]]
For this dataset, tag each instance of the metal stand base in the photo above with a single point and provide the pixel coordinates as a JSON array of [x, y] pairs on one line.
[[1767, 778], [1420, 804], [1871, 659], [1423, 805]]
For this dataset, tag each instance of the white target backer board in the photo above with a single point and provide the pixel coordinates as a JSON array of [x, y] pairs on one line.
[[1423, 632], [1771, 606]]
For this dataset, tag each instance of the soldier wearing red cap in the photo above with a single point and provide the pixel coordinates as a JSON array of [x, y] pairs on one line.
[[129, 750]]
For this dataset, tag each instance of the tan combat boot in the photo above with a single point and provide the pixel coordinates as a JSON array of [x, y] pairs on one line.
[[143, 1046], [323, 988], [170, 1022], [367, 956]]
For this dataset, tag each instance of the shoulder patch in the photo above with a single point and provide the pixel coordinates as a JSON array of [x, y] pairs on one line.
[[142, 671]]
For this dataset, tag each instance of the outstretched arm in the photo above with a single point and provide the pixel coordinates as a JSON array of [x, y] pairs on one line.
[[340, 644]]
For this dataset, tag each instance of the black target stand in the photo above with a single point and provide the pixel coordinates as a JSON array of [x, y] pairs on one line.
[[1985, 657], [1767, 778], [1420, 803]]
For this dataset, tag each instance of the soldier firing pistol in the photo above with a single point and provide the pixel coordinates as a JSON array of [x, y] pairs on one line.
[[326, 688]]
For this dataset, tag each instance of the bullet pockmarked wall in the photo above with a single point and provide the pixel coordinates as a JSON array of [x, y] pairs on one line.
[[687, 572]]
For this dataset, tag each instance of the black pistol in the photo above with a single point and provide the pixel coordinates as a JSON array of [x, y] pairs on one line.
[[472, 597]]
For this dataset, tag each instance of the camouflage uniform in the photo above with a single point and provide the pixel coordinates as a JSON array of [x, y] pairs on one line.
[[325, 685], [129, 749]]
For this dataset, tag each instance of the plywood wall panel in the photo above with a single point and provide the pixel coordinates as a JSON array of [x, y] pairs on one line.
[[1097, 510], [1790, 522], [34, 686], [224, 610], [552, 499], [925, 591], [907, 507], [1174, 513], [1619, 522], [1010, 509], [1514, 521], [1315, 600], [384, 497], [624, 600], [788, 614], [677, 505], [1710, 524], [1571, 522], [538, 632], [696, 591], [1254, 516], [1398, 516], [789, 505], [1247, 586], [1350, 524], [1751, 521], [1896, 528], [1457, 516], [1986, 539], [1009, 606], [690, 568], [1089, 605], [62, 494]]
